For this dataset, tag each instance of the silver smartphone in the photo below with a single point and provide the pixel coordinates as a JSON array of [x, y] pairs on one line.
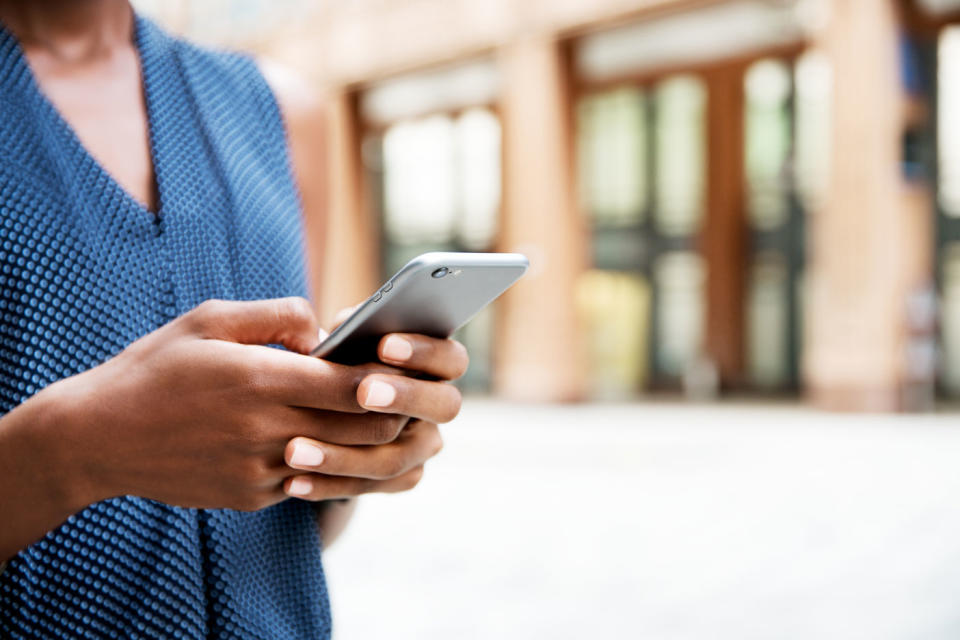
[[434, 294]]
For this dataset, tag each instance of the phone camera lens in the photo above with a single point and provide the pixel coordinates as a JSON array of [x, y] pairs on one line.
[[439, 273]]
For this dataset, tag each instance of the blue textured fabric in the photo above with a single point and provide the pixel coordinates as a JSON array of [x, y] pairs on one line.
[[86, 270]]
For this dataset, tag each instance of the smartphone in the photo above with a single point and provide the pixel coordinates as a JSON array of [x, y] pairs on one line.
[[434, 294]]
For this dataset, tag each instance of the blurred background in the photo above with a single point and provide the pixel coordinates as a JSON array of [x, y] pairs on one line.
[[739, 214]]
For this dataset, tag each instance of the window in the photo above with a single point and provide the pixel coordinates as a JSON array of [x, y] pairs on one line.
[[948, 200], [615, 310], [812, 99], [419, 178], [950, 318], [613, 156], [679, 168], [768, 321], [441, 184], [948, 109], [769, 135], [679, 278]]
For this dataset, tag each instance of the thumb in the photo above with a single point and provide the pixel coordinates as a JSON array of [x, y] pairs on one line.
[[286, 321]]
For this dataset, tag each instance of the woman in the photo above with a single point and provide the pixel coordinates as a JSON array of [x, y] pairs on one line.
[[150, 442]]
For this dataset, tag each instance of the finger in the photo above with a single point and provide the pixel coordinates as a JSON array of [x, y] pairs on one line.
[[315, 487], [441, 358], [418, 443], [428, 400], [342, 315], [298, 380], [287, 321], [342, 428]]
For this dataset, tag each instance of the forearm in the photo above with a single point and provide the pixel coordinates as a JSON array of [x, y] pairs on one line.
[[40, 486], [333, 517]]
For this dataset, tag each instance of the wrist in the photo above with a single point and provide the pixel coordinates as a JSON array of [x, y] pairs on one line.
[[41, 484], [56, 438]]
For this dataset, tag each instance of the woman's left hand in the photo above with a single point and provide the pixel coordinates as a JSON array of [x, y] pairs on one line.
[[396, 465]]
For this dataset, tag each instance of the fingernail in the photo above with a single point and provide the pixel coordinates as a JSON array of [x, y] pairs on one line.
[[306, 455], [398, 349], [322, 335], [300, 486], [380, 394]]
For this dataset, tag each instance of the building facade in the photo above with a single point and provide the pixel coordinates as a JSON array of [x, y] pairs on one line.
[[736, 196]]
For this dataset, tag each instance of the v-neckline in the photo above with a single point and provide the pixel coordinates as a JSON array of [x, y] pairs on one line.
[[65, 129]]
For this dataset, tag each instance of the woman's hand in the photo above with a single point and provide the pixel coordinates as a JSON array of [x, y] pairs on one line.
[[199, 414], [337, 471]]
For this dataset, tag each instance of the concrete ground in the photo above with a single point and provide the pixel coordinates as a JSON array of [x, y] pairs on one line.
[[663, 522]]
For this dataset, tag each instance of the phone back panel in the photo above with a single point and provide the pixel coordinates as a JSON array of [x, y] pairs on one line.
[[414, 301]]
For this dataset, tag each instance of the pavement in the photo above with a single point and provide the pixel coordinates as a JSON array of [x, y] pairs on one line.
[[663, 522]]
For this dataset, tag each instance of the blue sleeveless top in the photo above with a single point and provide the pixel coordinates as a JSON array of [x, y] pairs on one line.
[[84, 271]]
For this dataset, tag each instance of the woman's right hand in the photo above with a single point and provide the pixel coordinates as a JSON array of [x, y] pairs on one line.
[[199, 413]]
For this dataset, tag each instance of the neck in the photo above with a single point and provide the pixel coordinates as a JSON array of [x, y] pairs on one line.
[[69, 30]]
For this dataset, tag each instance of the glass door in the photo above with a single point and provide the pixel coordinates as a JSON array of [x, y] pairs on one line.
[[642, 184]]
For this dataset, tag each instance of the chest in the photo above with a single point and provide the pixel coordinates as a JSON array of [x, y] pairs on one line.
[[84, 268], [102, 100]]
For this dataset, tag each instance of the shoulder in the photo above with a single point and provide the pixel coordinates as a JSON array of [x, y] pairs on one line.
[[237, 83], [224, 89], [228, 79]]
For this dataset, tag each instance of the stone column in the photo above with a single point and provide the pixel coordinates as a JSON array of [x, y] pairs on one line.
[[352, 249], [867, 241], [539, 345]]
